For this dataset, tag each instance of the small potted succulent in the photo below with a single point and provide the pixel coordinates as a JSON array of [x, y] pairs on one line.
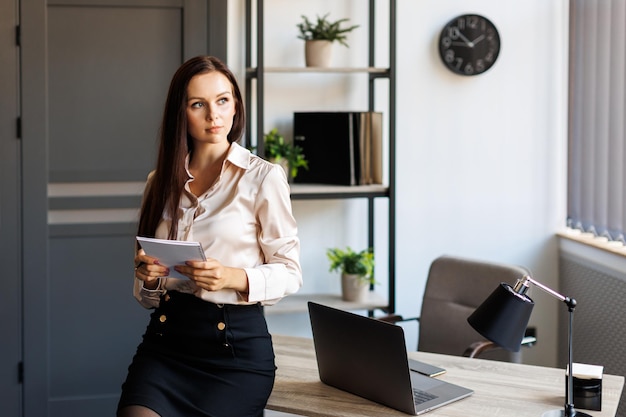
[[319, 35], [357, 271], [281, 152]]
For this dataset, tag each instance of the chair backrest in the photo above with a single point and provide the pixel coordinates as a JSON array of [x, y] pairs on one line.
[[455, 287]]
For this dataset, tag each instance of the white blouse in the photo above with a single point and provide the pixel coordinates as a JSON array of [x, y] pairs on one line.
[[244, 221]]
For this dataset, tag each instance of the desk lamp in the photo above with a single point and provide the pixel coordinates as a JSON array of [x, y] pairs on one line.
[[503, 317]]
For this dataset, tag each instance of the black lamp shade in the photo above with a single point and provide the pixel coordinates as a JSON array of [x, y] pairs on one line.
[[503, 317]]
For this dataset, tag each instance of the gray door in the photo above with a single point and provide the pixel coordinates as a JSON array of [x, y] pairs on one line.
[[94, 80], [10, 325]]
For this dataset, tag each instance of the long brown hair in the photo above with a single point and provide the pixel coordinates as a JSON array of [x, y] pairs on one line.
[[166, 187]]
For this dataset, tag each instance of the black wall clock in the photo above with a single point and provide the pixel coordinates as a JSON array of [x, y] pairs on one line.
[[469, 44]]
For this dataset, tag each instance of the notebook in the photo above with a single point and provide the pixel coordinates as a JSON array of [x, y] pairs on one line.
[[172, 252], [368, 358]]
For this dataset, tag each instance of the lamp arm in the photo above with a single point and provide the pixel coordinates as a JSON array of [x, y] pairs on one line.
[[522, 285]]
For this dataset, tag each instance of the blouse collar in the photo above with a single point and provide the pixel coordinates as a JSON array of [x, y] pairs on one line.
[[237, 155]]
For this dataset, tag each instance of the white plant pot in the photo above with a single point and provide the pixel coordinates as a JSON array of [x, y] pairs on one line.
[[318, 53], [353, 288], [285, 165]]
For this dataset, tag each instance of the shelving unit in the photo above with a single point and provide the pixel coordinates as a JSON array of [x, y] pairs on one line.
[[256, 72]]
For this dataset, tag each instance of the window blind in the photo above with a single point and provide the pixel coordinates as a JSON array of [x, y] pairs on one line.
[[596, 175]]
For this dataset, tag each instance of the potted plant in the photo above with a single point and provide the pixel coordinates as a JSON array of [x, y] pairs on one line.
[[281, 152], [319, 36], [357, 271]]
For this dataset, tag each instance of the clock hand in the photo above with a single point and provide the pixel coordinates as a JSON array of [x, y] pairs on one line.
[[467, 41], [478, 39]]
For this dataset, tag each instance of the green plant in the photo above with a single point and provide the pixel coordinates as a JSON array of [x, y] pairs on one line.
[[350, 262], [277, 148], [323, 29]]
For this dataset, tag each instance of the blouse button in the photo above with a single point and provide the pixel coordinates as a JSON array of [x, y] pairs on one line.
[[221, 326], [163, 318]]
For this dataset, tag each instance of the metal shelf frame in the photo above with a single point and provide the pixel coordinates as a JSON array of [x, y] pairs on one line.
[[255, 73]]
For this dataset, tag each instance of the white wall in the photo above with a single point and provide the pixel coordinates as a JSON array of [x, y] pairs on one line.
[[481, 161]]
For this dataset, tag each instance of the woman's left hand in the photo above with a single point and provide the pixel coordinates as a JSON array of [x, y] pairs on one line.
[[211, 275]]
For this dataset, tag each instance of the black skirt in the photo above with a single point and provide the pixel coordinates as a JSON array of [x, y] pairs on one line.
[[202, 359]]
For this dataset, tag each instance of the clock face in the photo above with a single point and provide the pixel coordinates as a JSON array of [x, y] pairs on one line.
[[469, 44]]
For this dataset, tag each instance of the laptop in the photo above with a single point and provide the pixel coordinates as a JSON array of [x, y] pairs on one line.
[[368, 358]]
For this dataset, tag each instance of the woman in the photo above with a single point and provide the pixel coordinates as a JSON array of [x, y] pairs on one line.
[[206, 350]]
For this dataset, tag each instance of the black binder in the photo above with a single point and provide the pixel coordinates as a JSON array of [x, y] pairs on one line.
[[337, 146]]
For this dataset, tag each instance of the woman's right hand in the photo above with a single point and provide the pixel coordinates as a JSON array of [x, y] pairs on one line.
[[149, 270]]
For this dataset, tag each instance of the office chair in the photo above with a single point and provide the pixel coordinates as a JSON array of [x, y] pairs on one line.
[[454, 289]]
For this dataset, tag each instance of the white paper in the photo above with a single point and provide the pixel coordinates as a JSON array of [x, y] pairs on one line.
[[586, 371], [172, 252]]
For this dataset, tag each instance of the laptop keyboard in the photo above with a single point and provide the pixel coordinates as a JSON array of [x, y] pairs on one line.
[[422, 396]]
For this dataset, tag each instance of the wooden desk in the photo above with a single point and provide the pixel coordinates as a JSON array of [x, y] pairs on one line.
[[501, 389]]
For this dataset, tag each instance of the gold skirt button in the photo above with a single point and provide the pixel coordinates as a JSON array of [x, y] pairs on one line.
[[163, 318], [221, 325]]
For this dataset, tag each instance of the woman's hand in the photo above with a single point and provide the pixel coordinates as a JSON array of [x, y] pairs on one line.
[[213, 276], [148, 270]]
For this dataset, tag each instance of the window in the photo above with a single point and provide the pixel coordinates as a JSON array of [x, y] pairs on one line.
[[596, 175]]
